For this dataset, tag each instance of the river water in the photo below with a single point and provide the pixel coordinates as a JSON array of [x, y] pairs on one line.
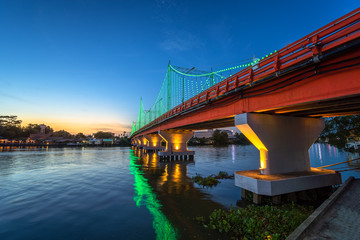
[[119, 193]]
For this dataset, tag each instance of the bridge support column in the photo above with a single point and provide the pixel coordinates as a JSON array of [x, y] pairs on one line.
[[134, 142], [153, 142], [138, 142], [143, 141], [283, 143], [176, 145]]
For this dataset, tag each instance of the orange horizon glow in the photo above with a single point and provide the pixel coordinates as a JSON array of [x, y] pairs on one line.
[[75, 127]]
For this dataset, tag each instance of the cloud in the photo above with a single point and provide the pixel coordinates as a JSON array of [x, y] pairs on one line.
[[166, 3], [114, 127], [16, 98], [180, 41]]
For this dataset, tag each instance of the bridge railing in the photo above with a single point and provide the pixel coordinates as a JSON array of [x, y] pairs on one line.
[[332, 35]]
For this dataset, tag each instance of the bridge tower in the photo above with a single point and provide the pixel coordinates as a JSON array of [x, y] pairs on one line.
[[168, 89]]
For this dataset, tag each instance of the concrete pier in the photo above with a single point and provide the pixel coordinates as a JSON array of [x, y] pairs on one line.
[[278, 184], [283, 143], [176, 145], [153, 142]]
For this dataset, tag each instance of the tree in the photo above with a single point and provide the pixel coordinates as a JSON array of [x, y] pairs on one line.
[[10, 127], [10, 121], [80, 136], [35, 128], [63, 134], [241, 139], [338, 129], [102, 135], [124, 141], [220, 138]]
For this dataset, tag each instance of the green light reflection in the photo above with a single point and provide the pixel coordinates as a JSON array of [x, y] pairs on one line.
[[144, 195]]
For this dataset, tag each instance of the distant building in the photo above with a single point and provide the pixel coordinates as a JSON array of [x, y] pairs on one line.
[[230, 133], [108, 142], [204, 133], [42, 129], [208, 133], [95, 141], [41, 136]]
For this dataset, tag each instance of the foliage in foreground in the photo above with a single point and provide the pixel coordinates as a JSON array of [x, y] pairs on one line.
[[338, 129], [257, 222], [211, 180]]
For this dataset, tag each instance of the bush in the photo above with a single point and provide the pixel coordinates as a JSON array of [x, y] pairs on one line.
[[257, 222], [211, 180]]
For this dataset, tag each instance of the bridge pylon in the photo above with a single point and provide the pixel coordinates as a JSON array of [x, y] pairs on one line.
[[140, 141], [283, 142], [153, 142], [176, 145]]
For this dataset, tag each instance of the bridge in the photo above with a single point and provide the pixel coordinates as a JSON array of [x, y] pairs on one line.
[[277, 101]]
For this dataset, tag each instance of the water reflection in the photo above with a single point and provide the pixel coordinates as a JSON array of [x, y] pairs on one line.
[[177, 196], [325, 154], [145, 196]]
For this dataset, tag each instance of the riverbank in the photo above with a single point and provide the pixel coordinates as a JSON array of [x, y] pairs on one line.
[[35, 145]]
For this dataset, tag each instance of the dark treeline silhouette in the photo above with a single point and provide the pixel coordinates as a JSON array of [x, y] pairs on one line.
[[338, 130], [220, 138], [10, 128]]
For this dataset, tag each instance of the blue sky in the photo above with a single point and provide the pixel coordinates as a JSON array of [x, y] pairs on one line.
[[83, 65]]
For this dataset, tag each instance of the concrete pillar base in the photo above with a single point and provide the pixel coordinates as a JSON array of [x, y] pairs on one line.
[[154, 149], [177, 156], [257, 199], [243, 193], [276, 199], [278, 184]]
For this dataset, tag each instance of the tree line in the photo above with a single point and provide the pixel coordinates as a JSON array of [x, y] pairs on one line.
[[220, 138], [339, 129], [10, 128]]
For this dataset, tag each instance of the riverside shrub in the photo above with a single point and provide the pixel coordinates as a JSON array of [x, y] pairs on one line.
[[257, 222]]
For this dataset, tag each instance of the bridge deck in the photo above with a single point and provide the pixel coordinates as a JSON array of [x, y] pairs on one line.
[[336, 218]]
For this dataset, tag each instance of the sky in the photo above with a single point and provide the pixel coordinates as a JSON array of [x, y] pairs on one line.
[[83, 65]]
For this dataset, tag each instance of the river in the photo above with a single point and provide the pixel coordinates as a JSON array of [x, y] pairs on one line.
[[118, 193]]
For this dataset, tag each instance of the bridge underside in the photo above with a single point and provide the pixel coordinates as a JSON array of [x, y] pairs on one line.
[[340, 106]]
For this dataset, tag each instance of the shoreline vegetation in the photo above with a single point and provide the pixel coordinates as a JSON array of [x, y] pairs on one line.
[[257, 221], [212, 180], [40, 135]]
